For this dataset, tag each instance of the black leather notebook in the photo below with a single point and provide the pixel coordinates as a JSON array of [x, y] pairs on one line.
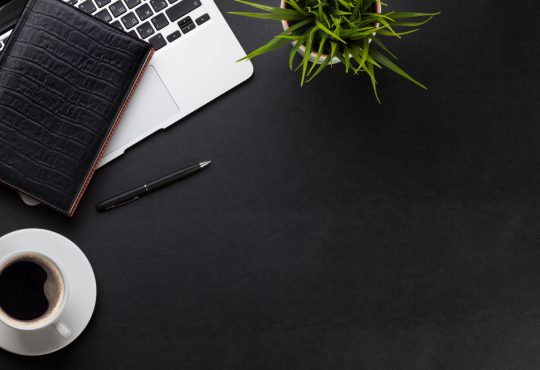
[[65, 80]]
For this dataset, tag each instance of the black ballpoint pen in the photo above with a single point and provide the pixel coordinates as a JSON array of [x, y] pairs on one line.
[[140, 191]]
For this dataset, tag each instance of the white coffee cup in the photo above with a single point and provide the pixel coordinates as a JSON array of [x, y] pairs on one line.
[[55, 290]]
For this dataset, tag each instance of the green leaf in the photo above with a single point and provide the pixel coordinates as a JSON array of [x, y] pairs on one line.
[[258, 6], [295, 6], [345, 4], [400, 15], [333, 48], [373, 62], [362, 35], [323, 28], [371, 73], [269, 46], [365, 53], [390, 65], [323, 18], [412, 24], [399, 34], [356, 56], [297, 26], [289, 37], [293, 52], [322, 66], [356, 10], [387, 25], [380, 16], [294, 28], [380, 44], [341, 13], [346, 59], [319, 53], [368, 4], [305, 60], [337, 25]]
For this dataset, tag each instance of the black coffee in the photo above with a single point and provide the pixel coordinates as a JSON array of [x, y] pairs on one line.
[[22, 294]]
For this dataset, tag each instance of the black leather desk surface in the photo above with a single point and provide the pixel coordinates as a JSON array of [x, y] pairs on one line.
[[331, 232]]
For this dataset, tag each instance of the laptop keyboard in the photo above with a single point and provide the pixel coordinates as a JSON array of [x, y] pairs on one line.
[[160, 22], [3, 40]]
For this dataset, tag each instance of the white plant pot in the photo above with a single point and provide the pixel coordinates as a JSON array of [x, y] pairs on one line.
[[313, 56]]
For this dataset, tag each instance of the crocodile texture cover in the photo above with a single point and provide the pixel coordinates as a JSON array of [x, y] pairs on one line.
[[65, 80]]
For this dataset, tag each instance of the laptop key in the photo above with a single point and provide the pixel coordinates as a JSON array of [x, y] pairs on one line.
[[184, 21], [72, 2], [129, 20], [174, 36], [87, 6], [157, 41], [203, 18], [118, 8], [133, 33], [145, 30], [188, 27], [182, 8], [144, 11], [117, 24], [102, 3], [104, 15], [160, 21], [158, 5], [132, 3]]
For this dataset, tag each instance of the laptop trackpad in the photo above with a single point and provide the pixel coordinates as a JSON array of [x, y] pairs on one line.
[[149, 107]]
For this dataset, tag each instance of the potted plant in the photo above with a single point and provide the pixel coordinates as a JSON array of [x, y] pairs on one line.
[[326, 32]]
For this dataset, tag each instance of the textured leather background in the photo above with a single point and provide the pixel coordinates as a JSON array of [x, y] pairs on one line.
[[64, 78]]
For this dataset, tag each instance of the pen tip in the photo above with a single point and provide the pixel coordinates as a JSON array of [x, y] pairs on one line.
[[204, 164]]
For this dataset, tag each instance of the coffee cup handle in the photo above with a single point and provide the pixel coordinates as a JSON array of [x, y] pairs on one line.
[[62, 329]]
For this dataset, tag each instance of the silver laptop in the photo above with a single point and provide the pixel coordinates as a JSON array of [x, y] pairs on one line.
[[195, 59]]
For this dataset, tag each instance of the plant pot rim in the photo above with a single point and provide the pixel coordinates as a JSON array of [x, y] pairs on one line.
[[313, 54]]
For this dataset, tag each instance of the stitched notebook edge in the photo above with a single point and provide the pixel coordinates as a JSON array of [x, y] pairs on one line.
[[123, 107]]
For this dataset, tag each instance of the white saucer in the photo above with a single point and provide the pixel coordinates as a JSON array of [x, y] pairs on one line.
[[82, 291]]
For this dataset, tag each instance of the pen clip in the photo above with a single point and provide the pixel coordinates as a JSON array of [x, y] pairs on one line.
[[123, 203]]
